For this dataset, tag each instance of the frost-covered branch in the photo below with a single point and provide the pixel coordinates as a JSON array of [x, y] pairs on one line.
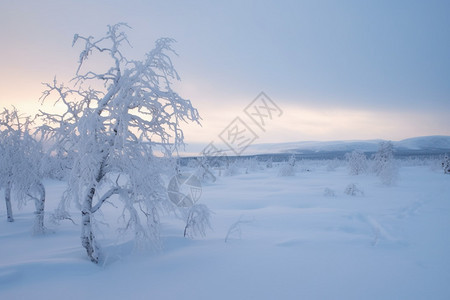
[[197, 221], [106, 196]]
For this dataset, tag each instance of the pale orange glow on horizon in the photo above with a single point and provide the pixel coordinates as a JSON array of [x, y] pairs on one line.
[[298, 123]]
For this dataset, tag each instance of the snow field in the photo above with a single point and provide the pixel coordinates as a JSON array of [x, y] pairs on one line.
[[285, 239]]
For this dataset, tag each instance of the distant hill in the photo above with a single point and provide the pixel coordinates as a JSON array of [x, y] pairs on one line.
[[436, 142], [412, 146], [417, 146]]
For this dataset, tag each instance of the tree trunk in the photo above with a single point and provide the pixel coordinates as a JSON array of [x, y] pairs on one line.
[[39, 203], [87, 235], [8, 202]]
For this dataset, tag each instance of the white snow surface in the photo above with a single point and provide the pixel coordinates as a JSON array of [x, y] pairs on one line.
[[287, 239]]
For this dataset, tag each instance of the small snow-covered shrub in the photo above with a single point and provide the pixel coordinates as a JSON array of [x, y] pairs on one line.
[[235, 230], [197, 221], [357, 162], [327, 192], [286, 170], [333, 164], [389, 174], [353, 190]]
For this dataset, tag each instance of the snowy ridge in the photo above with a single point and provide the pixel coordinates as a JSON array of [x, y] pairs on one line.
[[417, 143], [424, 143]]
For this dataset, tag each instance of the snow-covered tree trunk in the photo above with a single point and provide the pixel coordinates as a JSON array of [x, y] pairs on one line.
[[8, 202], [87, 235], [39, 203], [87, 212]]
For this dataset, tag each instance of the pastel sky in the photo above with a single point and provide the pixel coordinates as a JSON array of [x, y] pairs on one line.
[[337, 69]]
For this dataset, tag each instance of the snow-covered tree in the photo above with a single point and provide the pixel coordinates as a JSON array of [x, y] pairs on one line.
[[384, 164], [251, 165], [288, 169], [114, 133], [383, 156], [20, 160], [357, 162], [446, 164], [269, 163], [203, 170], [232, 168]]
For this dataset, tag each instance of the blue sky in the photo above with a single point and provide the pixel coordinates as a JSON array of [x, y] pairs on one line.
[[337, 69]]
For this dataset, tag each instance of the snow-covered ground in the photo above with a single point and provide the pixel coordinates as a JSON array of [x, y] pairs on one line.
[[287, 238]]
